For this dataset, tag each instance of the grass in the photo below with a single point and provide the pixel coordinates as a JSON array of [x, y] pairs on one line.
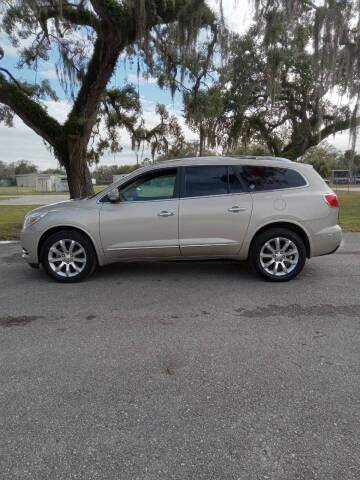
[[11, 191], [12, 216], [349, 211], [11, 220]]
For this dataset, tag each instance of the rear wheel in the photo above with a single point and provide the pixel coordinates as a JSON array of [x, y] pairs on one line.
[[278, 254], [68, 256]]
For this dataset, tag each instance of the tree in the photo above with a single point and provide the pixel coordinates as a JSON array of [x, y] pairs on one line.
[[351, 161], [24, 166], [291, 115], [7, 172], [334, 29], [323, 158], [104, 173], [106, 29]]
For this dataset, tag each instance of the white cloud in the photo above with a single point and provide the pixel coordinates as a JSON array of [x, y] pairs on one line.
[[238, 13], [133, 78], [49, 74]]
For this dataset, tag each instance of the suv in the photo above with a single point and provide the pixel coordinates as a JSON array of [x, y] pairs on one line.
[[271, 212]]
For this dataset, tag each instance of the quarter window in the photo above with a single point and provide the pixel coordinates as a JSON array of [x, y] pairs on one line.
[[152, 186], [206, 180], [258, 178]]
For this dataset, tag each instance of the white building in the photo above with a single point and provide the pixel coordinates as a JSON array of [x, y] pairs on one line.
[[26, 179], [61, 183], [45, 183]]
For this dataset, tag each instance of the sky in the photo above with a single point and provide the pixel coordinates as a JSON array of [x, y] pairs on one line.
[[21, 142]]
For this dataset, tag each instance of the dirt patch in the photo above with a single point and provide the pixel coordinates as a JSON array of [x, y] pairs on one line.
[[19, 321], [90, 317], [300, 310]]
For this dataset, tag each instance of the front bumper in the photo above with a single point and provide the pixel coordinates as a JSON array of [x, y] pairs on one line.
[[29, 242]]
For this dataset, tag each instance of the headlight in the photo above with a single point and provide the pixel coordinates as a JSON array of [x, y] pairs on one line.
[[32, 218]]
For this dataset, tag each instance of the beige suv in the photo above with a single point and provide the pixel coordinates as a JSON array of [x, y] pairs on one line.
[[273, 212]]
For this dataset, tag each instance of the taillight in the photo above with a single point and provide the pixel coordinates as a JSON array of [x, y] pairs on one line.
[[332, 200]]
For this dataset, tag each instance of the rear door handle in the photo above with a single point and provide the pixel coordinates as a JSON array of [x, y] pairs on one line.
[[236, 209], [165, 213]]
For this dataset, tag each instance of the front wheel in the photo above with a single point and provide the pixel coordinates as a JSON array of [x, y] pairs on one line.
[[68, 256], [278, 254]]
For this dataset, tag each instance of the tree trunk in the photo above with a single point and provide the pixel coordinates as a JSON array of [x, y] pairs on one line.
[[201, 146], [77, 170]]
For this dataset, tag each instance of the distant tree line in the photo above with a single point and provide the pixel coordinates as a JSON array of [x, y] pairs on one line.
[[8, 171]]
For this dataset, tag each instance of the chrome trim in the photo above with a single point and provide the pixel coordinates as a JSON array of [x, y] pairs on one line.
[[141, 201], [210, 245], [215, 196], [141, 248]]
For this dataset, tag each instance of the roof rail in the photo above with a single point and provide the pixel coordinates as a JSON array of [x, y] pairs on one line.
[[261, 157]]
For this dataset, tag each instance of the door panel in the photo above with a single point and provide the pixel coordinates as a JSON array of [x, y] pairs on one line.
[[214, 226], [140, 229]]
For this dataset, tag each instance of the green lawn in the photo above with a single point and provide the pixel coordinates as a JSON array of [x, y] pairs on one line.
[[11, 220], [12, 217], [349, 211], [11, 191]]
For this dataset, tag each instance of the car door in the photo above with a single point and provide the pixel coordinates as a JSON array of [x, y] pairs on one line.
[[144, 223], [214, 213]]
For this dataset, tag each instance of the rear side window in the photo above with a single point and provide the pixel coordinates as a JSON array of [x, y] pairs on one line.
[[206, 180], [258, 178]]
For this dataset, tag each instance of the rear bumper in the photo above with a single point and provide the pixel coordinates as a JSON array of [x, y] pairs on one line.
[[326, 241]]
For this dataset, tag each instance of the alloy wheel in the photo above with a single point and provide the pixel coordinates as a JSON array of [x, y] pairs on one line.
[[67, 258], [279, 256]]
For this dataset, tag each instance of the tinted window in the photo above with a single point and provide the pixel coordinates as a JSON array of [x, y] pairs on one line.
[[153, 186], [235, 183], [271, 178], [206, 180]]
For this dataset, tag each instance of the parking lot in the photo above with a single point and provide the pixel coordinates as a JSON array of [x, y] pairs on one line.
[[181, 371]]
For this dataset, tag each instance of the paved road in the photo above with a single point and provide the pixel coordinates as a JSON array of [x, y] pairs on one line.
[[32, 199], [181, 371]]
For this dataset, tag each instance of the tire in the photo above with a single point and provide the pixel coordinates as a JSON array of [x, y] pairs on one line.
[[68, 256], [278, 254]]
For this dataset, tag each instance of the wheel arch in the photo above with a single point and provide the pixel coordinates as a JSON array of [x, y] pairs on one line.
[[59, 228], [289, 226]]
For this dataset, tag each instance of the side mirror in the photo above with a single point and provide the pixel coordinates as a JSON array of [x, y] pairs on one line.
[[114, 195]]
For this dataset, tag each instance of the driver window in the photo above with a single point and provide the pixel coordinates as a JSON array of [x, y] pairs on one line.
[[151, 186]]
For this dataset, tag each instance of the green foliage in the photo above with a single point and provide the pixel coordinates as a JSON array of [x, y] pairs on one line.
[[272, 94], [184, 150], [24, 166], [255, 149], [104, 173], [87, 39], [323, 158], [7, 172]]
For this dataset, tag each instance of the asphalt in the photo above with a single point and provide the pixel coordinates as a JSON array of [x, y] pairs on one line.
[[181, 371]]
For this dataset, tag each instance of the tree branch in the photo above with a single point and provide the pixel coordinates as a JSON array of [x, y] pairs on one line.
[[30, 112], [337, 127], [76, 16]]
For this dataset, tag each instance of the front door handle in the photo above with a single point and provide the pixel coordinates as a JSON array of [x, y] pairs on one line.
[[165, 213], [236, 209]]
